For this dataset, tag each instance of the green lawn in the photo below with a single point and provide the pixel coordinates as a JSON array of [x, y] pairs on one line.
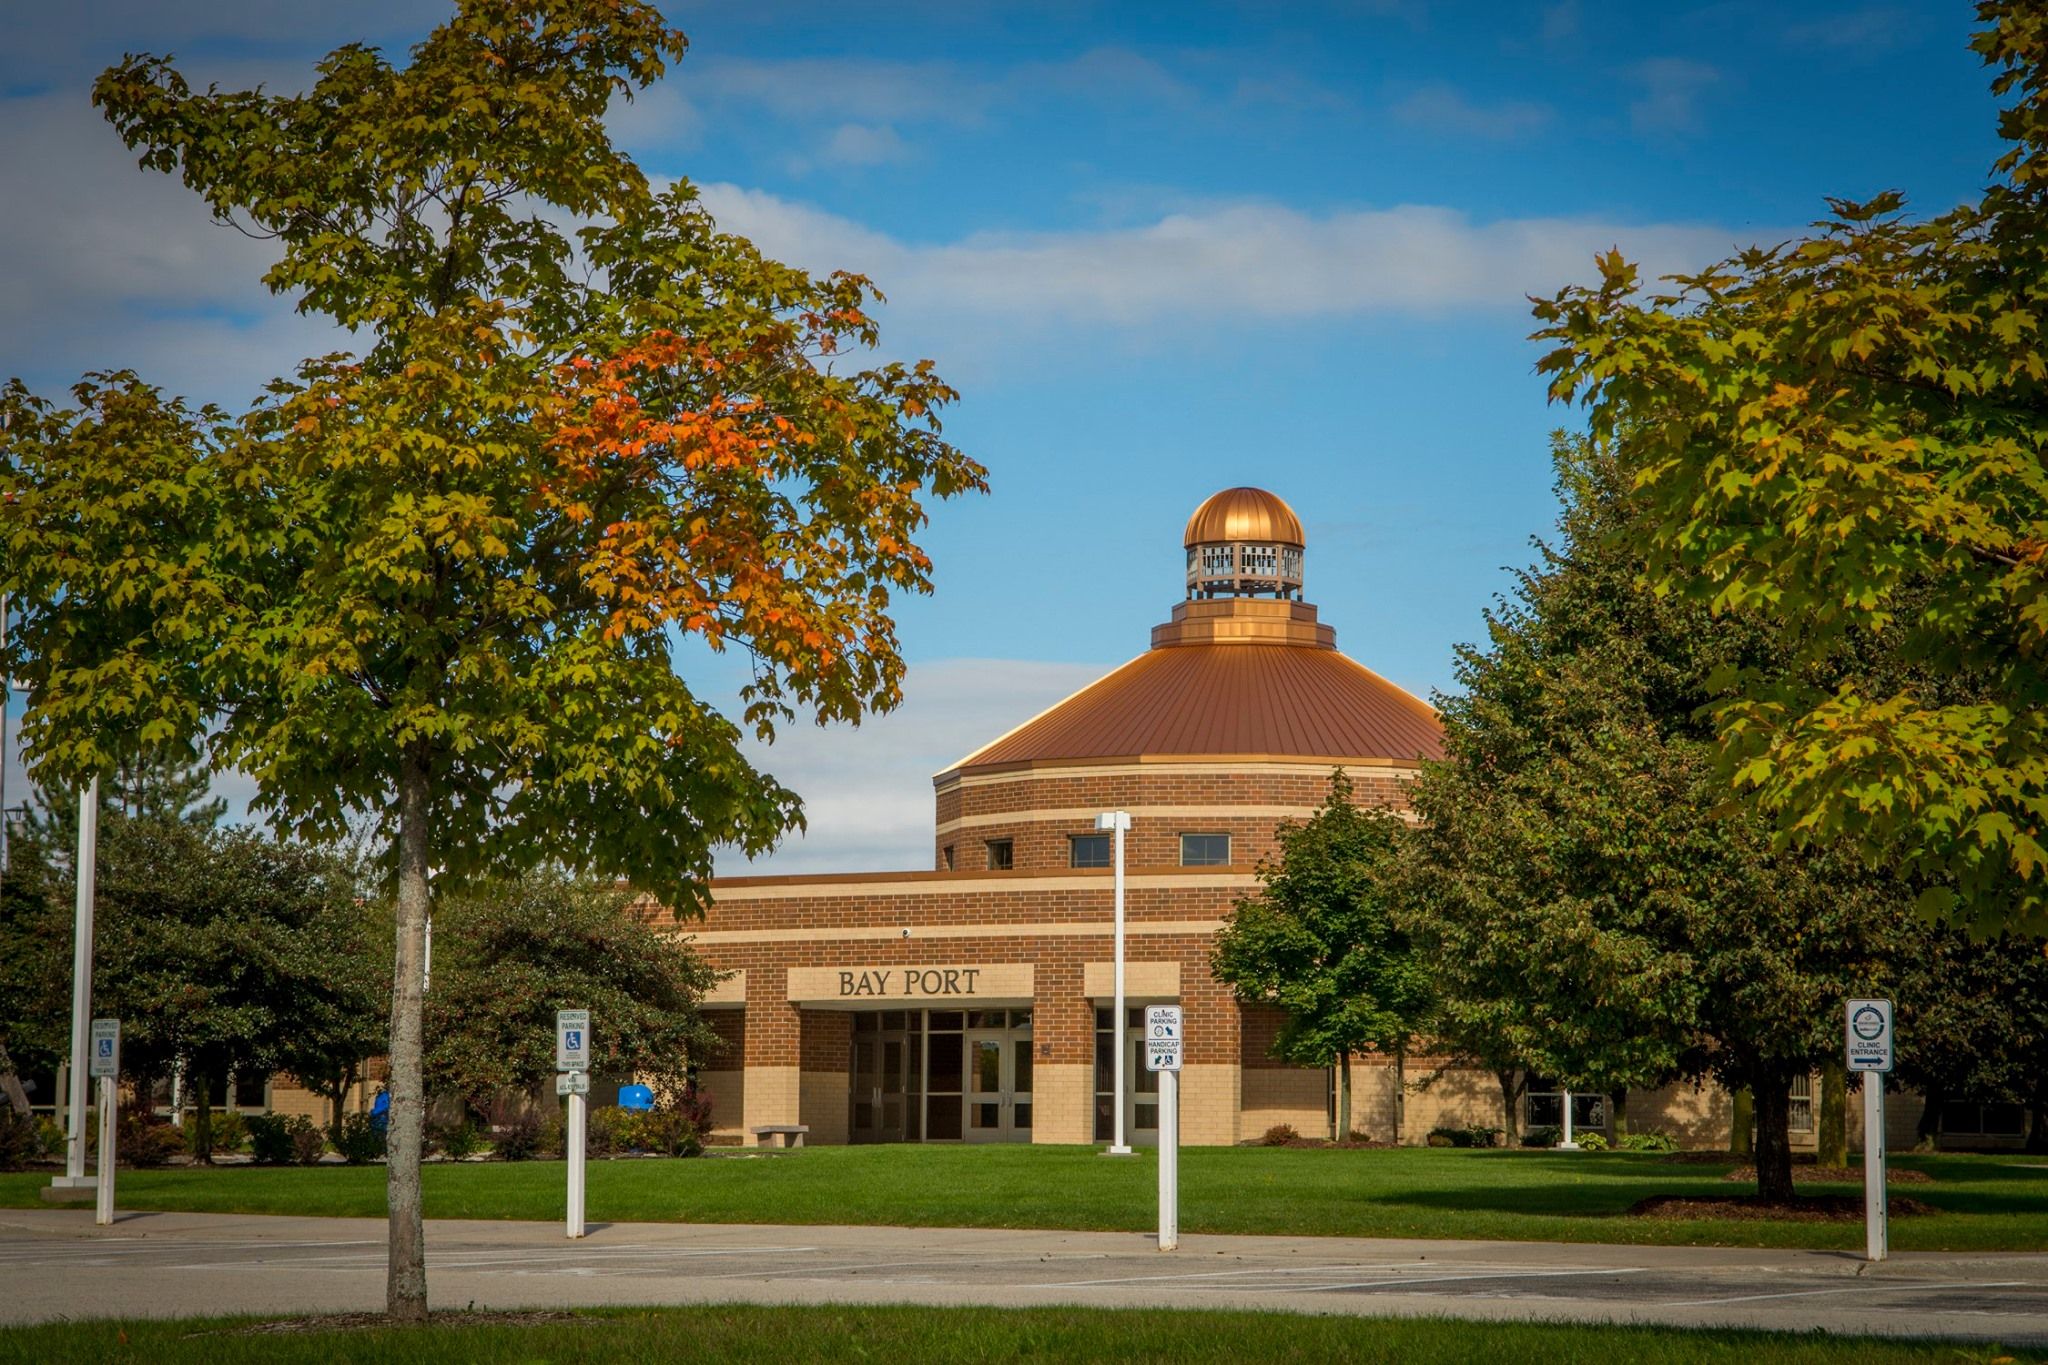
[[737, 1333], [1984, 1202]]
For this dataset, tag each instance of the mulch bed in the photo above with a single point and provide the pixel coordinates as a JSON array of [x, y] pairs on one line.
[[1838, 1175], [361, 1322], [1812, 1208]]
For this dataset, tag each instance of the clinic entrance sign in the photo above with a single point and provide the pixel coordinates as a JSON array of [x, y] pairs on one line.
[[1867, 1047]]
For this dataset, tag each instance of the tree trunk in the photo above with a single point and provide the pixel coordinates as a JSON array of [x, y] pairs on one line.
[[1832, 1148], [1928, 1130], [1512, 1082], [1773, 1098], [405, 1285], [1343, 1132], [1739, 1122], [1400, 1089], [1617, 1115]]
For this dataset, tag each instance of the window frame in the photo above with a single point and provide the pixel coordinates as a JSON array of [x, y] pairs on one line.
[[1205, 862], [1008, 856], [1074, 842]]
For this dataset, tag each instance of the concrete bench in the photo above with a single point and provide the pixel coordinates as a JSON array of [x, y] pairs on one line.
[[792, 1134]]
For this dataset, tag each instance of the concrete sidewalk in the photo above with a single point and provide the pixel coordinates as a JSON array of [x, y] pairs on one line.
[[55, 1264]]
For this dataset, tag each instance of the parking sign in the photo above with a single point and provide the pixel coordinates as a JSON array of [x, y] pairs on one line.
[[572, 1040], [105, 1058], [1162, 1037]]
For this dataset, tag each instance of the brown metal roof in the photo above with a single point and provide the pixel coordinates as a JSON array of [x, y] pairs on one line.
[[1238, 514], [1227, 700]]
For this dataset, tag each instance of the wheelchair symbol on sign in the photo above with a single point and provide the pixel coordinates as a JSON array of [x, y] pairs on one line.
[[573, 1040]]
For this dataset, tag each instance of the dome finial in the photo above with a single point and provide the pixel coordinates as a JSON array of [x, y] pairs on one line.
[[1244, 542]]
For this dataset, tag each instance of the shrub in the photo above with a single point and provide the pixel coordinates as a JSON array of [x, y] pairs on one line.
[[230, 1130], [1652, 1141], [670, 1132], [1591, 1142], [52, 1136], [1546, 1136], [521, 1130], [1479, 1135], [1441, 1137], [694, 1105], [309, 1144], [358, 1139], [1475, 1135], [144, 1141], [1279, 1135], [273, 1137], [455, 1140], [21, 1141], [611, 1130]]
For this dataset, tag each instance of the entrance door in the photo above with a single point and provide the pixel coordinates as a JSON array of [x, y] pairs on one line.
[[881, 1079], [998, 1097]]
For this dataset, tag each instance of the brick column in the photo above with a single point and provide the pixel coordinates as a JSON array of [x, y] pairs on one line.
[[773, 1053]]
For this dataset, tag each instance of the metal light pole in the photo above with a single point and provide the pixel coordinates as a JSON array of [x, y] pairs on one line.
[[1567, 1145], [1118, 821], [74, 1176]]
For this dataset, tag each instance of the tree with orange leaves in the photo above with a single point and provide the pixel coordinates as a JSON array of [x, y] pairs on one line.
[[437, 583]]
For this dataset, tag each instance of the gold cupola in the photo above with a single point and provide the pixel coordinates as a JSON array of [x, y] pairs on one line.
[[1244, 542]]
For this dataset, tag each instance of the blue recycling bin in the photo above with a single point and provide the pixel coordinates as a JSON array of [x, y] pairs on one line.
[[636, 1097], [380, 1111]]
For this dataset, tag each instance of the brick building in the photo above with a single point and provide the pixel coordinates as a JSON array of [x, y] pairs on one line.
[[972, 1002]]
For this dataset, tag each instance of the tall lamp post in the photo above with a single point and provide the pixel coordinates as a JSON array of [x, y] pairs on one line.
[[1116, 822], [74, 1176]]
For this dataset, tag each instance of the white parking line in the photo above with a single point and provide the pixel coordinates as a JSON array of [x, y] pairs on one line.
[[1443, 1279], [1354, 1268]]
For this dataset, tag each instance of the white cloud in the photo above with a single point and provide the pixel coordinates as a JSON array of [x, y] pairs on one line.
[[856, 146], [1672, 87], [1446, 109], [1227, 261], [868, 791]]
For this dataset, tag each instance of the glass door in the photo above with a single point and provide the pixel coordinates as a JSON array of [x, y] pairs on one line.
[[998, 1096], [987, 1109]]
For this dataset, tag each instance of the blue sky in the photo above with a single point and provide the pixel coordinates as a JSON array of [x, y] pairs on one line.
[[1161, 249]]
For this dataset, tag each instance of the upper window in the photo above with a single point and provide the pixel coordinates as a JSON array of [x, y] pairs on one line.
[[948, 855], [1001, 857], [1088, 850], [1205, 850]]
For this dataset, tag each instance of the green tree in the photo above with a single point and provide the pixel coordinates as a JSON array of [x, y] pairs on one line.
[[1582, 885], [508, 955], [1320, 942], [222, 953], [1846, 432], [438, 582], [1973, 1025]]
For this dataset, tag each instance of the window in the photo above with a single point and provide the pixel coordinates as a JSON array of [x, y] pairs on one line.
[[947, 858], [1543, 1106], [1000, 855], [251, 1090], [1969, 1119], [1088, 850], [1205, 850], [1800, 1118]]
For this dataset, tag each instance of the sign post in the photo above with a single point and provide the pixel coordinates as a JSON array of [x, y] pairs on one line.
[[1869, 1043], [572, 1060], [1163, 1035], [106, 1069]]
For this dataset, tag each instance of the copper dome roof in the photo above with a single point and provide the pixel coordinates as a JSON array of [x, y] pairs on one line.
[[1248, 701], [1244, 514]]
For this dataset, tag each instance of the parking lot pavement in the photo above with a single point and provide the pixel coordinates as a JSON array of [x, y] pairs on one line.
[[55, 1264]]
